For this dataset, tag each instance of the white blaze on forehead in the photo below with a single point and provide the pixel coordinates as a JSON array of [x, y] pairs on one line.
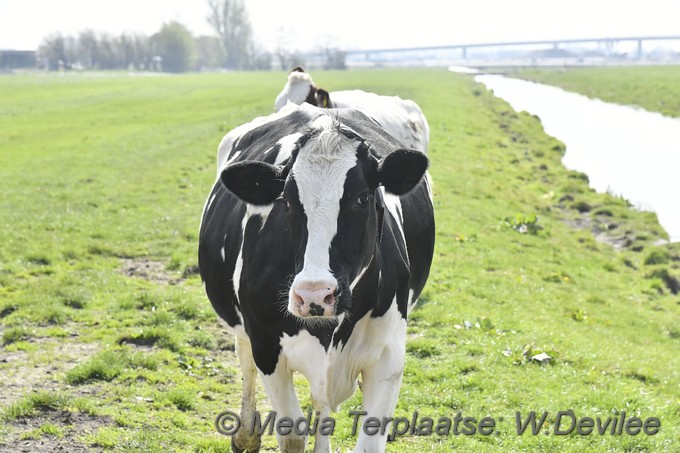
[[320, 171]]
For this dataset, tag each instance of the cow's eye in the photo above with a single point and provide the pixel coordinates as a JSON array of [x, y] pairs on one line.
[[363, 199]]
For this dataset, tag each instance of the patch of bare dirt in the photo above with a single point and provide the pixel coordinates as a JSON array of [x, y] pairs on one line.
[[21, 374], [154, 271], [74, 425]]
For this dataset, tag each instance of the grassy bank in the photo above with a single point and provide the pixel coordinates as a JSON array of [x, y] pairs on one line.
[[108, 341], [654, 88]]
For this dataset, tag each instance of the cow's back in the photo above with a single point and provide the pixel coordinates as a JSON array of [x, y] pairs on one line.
[[402, 118]]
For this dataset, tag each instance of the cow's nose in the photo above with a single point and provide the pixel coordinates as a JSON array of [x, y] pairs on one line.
[[319, 296], [315, 299]]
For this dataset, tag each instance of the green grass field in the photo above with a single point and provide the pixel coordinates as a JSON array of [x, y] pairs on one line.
[[654, 88], [109, 343]]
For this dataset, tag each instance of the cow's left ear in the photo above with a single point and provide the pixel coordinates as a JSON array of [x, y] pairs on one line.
[[401, 170], [322, 98], [257, 183]]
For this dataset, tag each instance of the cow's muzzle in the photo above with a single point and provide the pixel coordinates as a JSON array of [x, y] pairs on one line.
[[313, 298]]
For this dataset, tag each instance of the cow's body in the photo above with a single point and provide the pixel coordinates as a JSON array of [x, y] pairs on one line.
[[402, 118], [253, 266]]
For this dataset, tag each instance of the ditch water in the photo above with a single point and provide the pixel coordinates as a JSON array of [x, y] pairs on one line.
[[624, 150]]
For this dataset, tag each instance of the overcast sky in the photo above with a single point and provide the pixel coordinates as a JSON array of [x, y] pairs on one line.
[[353, 24]]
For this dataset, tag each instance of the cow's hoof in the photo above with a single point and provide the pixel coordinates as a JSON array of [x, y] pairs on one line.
[[236, 449]]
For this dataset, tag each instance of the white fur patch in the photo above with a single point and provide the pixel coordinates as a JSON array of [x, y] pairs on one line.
[[364, 348], [305, 354], [287, 145], [238, 267], [262, 211], [361, 274], [393, 205], [333, 375], [207, 206], [411, 300], [428, 183], [228, 141], [251, 211]]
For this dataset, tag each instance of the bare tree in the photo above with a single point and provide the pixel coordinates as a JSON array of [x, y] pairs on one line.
[[109, 56], [88, 49], [260, 59], [230, 20], [126, 49], [287, 59], [53, 51], [142, 51], [335, 57]]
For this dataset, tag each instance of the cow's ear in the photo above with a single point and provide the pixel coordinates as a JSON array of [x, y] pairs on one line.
[[257, 183], [401, 170], [322, 98]]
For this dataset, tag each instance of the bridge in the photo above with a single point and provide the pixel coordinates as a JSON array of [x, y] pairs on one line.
[[555, 43], [369, 55]]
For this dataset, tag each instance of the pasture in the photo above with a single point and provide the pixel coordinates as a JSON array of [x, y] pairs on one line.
[[109, 343], [654, 88]]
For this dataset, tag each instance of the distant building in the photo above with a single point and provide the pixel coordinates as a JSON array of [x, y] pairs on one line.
[[17, 59]]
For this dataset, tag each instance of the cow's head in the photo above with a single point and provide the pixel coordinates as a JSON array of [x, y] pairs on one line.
[[331, 191], [300, 88]]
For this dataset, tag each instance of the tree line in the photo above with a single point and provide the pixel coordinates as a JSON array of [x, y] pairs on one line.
[[174, 49], [171, 49]]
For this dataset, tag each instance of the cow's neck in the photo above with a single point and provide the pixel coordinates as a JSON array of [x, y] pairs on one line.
[[365, 298]]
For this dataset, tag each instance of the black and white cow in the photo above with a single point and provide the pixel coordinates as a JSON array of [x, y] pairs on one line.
[[316, 240], [402, 118]]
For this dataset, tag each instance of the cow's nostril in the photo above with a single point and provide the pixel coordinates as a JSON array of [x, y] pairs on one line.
[[329, 300], [315, 310], [297, 300]]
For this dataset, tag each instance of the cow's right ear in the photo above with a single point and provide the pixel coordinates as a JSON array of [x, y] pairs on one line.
[[257, 183], [401, 170]]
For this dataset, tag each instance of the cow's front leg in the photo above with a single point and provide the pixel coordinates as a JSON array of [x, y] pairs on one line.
[[281, 391], [381, 384], [243, 440], [322, 442]]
